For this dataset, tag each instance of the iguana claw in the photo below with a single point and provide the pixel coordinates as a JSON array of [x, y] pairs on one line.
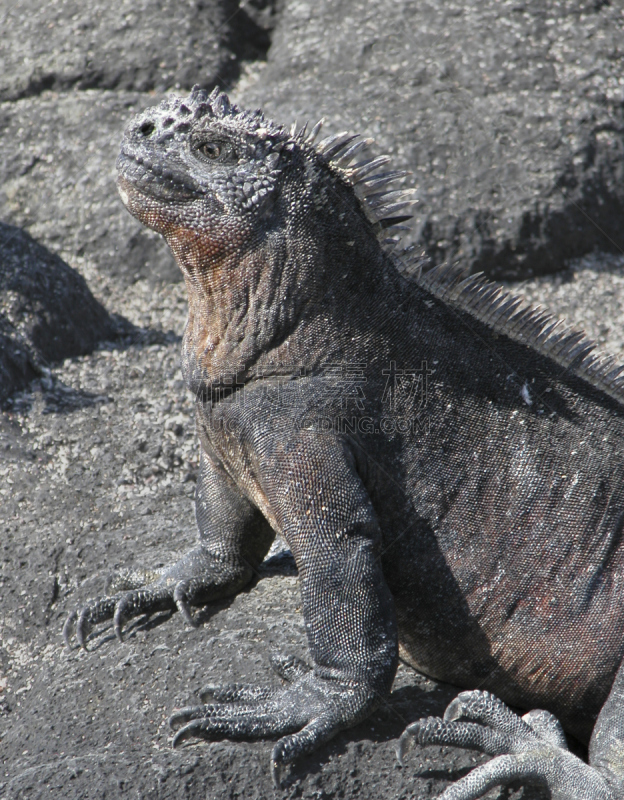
[[189, 731], [276, 771], [180, 597]]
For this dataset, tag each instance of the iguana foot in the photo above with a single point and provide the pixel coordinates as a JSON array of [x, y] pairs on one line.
[[531, 750], [190, 581], [306, 712]]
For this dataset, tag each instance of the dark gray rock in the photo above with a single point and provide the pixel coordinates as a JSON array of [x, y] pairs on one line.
[[47, 312], [126, 44], [59, 182], [510, 116]]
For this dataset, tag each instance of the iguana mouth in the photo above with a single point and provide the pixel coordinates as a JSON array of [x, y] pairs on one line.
[[154, 178]]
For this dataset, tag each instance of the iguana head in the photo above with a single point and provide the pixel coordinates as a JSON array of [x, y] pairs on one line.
[[273, 232], [200, 166]]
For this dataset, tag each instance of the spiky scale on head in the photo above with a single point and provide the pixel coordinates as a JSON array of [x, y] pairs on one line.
[[184, 149]]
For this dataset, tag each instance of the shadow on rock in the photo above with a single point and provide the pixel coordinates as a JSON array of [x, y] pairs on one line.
[[47, 312]]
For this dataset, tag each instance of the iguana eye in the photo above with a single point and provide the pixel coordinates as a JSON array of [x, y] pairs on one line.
[[211, 150]]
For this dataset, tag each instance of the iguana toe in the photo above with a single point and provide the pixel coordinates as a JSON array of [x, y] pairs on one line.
[[239, 720], [234, 692], [433, 730]]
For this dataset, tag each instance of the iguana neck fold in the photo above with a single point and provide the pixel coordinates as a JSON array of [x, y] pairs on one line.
[[269, 305]]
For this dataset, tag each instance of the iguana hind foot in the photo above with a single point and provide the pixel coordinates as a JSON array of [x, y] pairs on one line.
[[531, 749]]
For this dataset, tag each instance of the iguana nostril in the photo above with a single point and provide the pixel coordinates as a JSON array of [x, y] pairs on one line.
[[147, 128]]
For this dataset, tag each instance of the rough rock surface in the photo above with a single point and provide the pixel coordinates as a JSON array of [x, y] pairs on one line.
[[488, 104], [59, 155], [126, 44], [510, 115], [47, 312]]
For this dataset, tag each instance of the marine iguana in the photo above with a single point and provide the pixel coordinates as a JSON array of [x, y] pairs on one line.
[[444, 461]]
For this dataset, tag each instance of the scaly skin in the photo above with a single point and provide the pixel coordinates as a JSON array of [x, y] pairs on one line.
[[446, 470]]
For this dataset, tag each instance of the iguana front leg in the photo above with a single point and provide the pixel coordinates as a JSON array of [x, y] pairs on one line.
[[531, 749], [234, 537], [327, 518]]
